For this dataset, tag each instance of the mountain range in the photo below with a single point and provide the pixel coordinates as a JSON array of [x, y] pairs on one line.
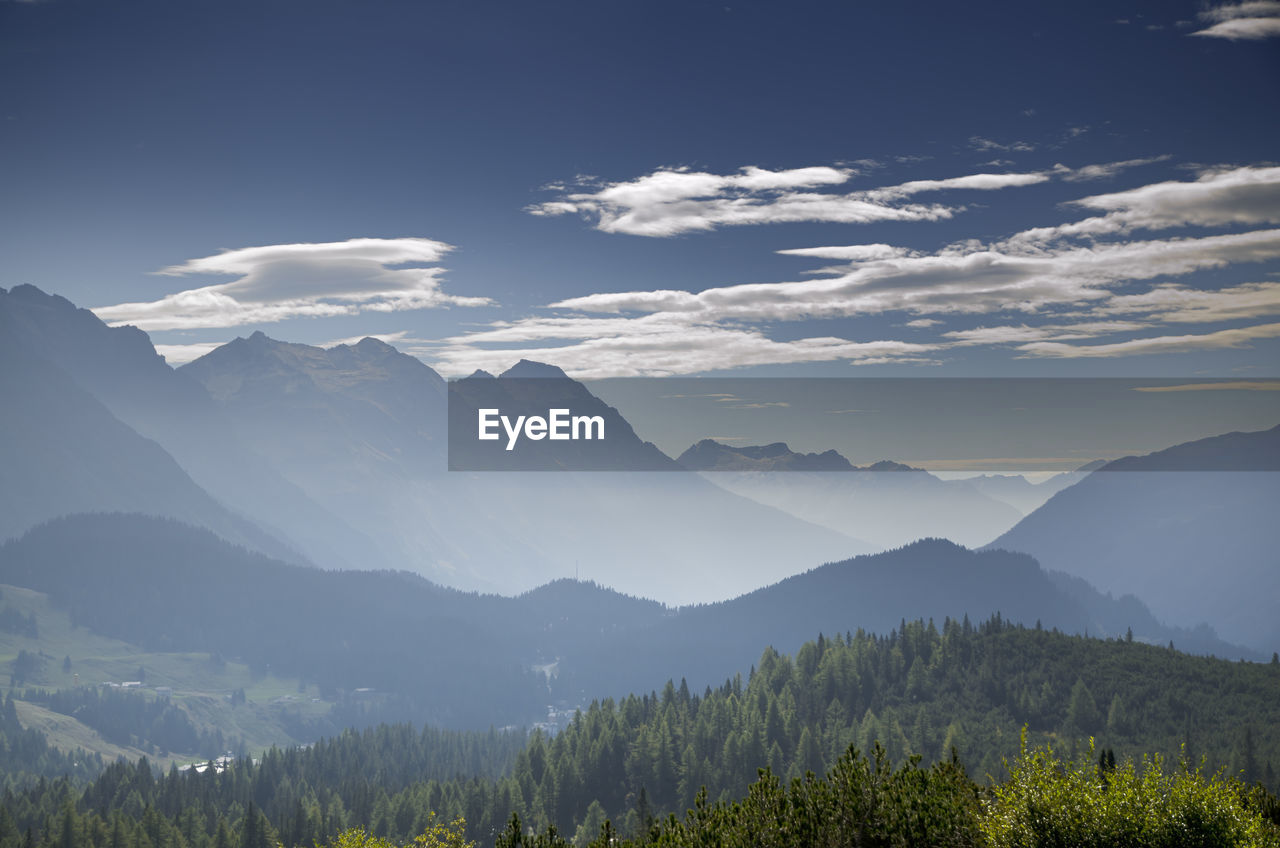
[[339, 458], [887, 503]]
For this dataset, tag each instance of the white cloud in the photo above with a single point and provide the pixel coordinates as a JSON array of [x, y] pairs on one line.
[[1241, 29], [1103, 171], [398, 337], [977, 142], [851, 252], [1233, 338], [972, 182], [1044, 332], [1251, 20], [671, 201], [658, 345], [1172, 303], [1064, 280], [181, 354], [963, 279], [276, 282], [1232, 386], [1237, 196], [1218, 197]]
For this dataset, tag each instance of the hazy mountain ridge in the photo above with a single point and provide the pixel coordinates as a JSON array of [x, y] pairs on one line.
[[1194, 545], [876, 503], [169, 587], [331, 449]]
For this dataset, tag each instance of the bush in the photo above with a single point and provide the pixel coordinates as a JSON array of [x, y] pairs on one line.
[[1049, 802], [436, 835]]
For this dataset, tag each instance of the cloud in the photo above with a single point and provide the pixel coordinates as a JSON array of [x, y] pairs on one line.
[[1233, 386], [1104, 171], [398, 337], [961, 279], [1233, 338], [972, 182], [1218, 197], [1070, 283], [671, 201], [851, 252], [276, 282], [977, 142], [1172, 303], [1251, 20], [1044, 332], [653, 346]]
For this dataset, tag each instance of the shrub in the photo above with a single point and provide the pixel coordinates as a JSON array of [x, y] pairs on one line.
[[1049, 802]]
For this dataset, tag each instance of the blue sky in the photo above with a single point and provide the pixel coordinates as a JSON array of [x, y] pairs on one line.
[[652, 188]]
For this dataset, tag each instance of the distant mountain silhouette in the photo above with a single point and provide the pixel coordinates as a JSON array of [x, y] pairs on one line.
[[1021, 493], [710, 455], [887, 504], [1191, 530], [886, 509]]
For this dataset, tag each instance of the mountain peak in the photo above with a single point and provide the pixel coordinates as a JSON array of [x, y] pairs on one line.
[[371, 345], [528, 369], [480, 374], [710, 455]]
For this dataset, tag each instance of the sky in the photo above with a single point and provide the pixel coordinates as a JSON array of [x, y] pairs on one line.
[[660, 188]]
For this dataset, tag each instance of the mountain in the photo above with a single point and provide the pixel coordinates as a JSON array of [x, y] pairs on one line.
[[361, 429], [173, 588], [1190, 529], [710, 455], [888, 503], [1023, 495], [120, 369]]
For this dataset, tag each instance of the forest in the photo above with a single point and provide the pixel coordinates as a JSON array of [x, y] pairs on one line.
[[918, 694]]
